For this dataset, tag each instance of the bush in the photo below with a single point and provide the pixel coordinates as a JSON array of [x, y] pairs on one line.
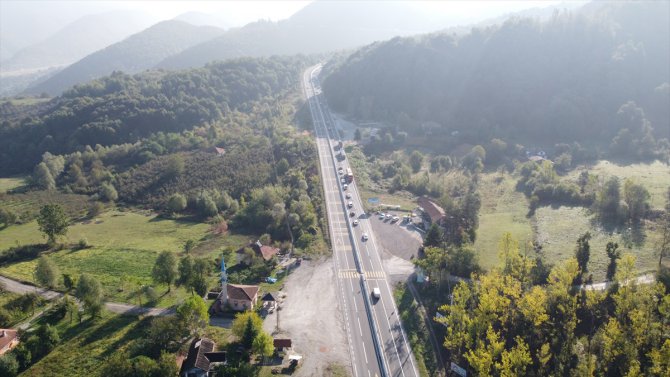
[[82, 244]]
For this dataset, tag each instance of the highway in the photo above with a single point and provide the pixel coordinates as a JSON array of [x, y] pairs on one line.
[[378, 345]]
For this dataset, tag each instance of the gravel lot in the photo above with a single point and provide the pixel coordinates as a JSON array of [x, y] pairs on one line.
[[397, 238], [311, 317]]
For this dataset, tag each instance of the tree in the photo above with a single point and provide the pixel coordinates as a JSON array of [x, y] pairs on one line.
[[9, 367], [250, 333], [263, 345], [415, 161], [167, 365], [185, 272], [636, 198], [68, 281], [193, 314], [52, 221], [108, 192], [583, 252], [46, 272], [165, 333], [176, 203], [175, 167], [29, 301], [89, 292], [357, 134], [207, 205], [434, 236], [247, 323], [43, 177], [165, 269], [7, 217], [664, 243], [189, 245], [613, 253]]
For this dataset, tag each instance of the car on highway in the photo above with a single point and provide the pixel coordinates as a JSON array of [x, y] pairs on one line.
[[364, 237], [345, 186], [352, 213], [343, 181], [350, 204], [340, 172], [354, 223], [376, 293]]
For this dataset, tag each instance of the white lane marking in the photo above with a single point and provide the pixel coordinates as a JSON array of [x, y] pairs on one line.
[[359, 326]]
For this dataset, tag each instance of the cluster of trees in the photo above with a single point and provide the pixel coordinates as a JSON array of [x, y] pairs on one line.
[[506, 325], [576, 77], [121, 108], [616, 205], [32, 348]]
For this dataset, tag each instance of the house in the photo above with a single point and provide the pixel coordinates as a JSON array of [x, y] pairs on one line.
[[263, 251], [8, 340], [242, 297], [201, 359], [282, 345], [237, 297], [431, 213]]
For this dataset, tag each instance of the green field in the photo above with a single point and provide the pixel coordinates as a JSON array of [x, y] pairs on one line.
[[122, 244], [655, 177], [85, 347], [558, 230], [503, 210], [7, 184], [27, 205]]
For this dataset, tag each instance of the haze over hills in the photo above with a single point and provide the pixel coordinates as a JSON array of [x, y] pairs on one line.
[[133, 54], [559, 81], [203, 19], [78, 39], [316, 28]]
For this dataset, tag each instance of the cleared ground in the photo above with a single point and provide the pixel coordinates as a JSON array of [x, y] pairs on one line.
[[312, 318]]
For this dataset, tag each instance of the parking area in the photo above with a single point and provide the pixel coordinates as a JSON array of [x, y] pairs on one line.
[[399, 238]]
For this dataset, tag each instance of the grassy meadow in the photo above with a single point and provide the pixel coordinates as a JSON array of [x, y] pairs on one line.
[[11, 183], [123, 249], [503, 210]]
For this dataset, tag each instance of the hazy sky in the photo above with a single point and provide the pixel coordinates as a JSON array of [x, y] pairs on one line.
[[36, 19]]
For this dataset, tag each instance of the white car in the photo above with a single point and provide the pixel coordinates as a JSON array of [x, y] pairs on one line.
[[388, 216], [365, 237], [376, 293], [345, 186], [350, 204], [395, 218], [355, 223]]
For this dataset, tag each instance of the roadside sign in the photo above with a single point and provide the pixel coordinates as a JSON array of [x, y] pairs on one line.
[[458, 370], [373, 200]]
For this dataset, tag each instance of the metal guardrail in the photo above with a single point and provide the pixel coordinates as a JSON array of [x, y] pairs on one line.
[[359, 267]]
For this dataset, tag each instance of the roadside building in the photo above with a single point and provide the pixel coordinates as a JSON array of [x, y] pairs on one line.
[[264, 251], [431, 213], [8, 339], [201, 359], [234, 296]]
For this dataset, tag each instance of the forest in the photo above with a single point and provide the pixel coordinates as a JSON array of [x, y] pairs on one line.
[[599, 78], [121, 108]]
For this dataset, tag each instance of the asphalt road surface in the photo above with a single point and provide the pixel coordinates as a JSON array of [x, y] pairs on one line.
[[377, 342]]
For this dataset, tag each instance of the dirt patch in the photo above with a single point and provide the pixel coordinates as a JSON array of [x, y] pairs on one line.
[[311, 316]]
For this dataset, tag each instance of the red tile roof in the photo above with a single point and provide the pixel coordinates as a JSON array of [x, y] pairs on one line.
[[435, 212], [7, 336], [242, 292]]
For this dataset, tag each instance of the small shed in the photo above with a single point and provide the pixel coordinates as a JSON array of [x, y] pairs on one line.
[[282, 344]]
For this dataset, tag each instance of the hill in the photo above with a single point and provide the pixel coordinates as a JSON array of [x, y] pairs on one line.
[[78, 39], [122, 108], [133, 54], [203, 19], [576, 77], [317, 28]]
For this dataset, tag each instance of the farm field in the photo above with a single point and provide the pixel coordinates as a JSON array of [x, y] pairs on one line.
[[503, 210], [124, 247], [559, 228]]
